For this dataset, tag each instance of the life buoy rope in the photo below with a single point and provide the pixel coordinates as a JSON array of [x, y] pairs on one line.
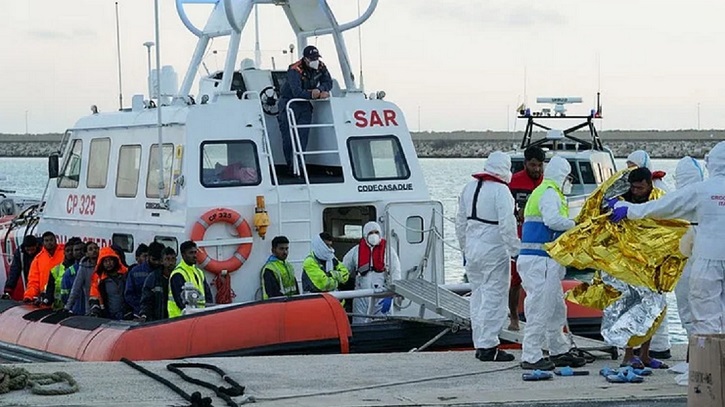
[[223, 215]]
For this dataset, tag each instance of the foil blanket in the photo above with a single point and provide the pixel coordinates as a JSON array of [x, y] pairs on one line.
[[639, 261]]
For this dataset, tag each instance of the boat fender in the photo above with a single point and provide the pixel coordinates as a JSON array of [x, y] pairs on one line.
[[233, 218]]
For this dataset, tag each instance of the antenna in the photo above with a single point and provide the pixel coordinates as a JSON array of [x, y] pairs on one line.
[[359, 45], [118, 48], [159, 123], [257, 51]]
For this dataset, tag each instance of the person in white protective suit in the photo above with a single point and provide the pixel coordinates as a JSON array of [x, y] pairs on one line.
[[640, 158], [703, 203], [660, 344], [486, 231], [688, 172], [546, 216], [368, 261]]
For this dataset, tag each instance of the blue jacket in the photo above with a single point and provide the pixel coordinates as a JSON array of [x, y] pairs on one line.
[[301, 80], [134, 285]]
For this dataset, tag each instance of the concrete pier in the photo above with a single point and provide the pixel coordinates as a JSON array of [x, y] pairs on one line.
[[407, 379]]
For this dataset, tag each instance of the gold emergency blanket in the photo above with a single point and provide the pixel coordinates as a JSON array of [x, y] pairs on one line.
[[642, 252], [640, 258]]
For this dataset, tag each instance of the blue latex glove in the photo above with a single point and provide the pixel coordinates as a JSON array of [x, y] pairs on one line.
[[618, 214], [611, 202]]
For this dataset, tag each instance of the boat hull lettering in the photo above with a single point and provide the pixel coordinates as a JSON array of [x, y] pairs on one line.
[[80, 204], [385, 118], [385, 187]]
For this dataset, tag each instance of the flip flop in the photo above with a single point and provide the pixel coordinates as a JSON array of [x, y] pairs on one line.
[[536, 375], [634, 363], [639, 372], [656, 364], [625, 376], [567, 371], [608, 372]]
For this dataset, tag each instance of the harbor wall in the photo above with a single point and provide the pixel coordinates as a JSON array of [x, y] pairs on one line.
[[660, 144]]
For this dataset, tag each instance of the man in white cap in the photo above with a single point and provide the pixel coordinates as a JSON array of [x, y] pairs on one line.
[[486, 231], [368, 261]]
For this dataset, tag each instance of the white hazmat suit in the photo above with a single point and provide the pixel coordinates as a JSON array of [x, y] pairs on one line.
[[704, 203], [371, 279], [541, 275], [486, 231], [688, 172]]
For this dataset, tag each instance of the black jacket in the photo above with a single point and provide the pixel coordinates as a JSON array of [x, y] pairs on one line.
[[154, 296]]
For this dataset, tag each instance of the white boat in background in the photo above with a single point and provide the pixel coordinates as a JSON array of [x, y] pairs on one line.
[[591, 162]]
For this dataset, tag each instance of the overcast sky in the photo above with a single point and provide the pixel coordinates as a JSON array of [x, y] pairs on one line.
[[461, 63]]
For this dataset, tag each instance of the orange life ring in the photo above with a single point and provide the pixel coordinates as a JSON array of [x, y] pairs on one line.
[[224, 215]]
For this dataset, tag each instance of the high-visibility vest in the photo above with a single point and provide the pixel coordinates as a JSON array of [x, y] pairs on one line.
[[534, 233], [56, 273], [285, 274], [193, 275]]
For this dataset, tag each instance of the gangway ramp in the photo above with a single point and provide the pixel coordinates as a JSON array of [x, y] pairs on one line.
[[450, 305]]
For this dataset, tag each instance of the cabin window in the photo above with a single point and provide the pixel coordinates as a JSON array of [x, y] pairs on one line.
[[72, 169], [129, 166], [377, 158], [152, 179], [587, 173], [168, 241], [414, 229], [229, 164], [124, 241], [575, 179], [98, 163]]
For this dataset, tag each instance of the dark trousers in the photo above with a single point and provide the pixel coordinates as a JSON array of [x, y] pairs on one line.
[[303, 115]]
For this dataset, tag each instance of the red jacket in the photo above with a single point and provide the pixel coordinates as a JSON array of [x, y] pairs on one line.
[[521, 187]]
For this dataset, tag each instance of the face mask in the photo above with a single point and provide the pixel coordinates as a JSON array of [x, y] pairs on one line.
[[566, 188], [374, 239], [314, 64]]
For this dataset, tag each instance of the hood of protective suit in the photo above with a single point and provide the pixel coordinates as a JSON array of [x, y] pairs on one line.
[[498, 165], [640, 158], [371, 226], [715, 160], [688, 172], [557, 170], [108, 252], [321, 250]]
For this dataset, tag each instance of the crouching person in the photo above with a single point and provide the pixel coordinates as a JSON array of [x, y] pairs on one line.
[[107, 286], [367, 261]]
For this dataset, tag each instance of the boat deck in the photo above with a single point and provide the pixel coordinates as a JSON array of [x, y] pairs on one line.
[[401, 379]]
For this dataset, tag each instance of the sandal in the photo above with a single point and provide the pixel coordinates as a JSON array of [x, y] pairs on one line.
[[567, 371], [625, 376], [656, 364], [536, 375], [634, 363], [639, 372]]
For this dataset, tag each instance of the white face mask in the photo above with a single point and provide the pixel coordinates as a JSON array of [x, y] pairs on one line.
[[374, 239], [314, 64], [566, 188]]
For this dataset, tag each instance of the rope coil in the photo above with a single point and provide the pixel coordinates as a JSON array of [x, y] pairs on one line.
[[18, 378]]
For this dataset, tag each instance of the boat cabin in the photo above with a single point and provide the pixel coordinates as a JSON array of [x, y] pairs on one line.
[[591, 162]]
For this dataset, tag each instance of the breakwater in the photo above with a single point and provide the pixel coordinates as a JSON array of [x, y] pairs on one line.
[[660, 144]]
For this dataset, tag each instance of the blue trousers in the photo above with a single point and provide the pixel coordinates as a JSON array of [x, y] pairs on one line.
[[303, 115]]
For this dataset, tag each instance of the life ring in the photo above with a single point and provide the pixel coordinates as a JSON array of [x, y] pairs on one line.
[[233, 218]]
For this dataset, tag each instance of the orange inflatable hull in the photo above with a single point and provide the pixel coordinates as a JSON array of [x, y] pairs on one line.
[[309, 323]]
